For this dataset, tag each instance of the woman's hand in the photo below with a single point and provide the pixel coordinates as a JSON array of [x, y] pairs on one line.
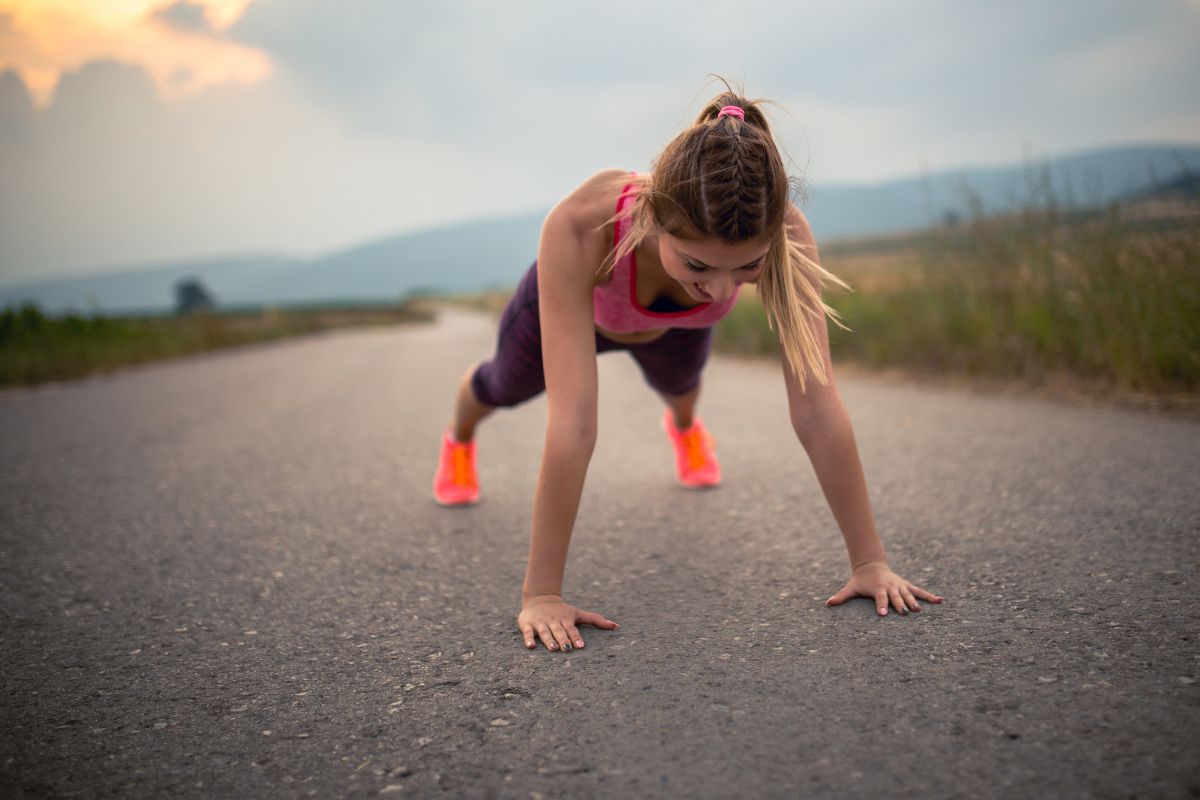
[[875, 579], [554, 622]]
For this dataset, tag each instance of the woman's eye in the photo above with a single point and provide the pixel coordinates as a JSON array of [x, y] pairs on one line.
[[693, 267], [751, 267]]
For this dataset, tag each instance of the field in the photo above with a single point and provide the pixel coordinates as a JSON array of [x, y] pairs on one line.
[[1109, 300], [35, 347]]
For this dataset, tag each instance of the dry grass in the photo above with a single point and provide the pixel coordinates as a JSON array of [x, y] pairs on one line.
[[1107, 300]]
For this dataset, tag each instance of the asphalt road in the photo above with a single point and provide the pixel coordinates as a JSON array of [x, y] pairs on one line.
[[224, 576]]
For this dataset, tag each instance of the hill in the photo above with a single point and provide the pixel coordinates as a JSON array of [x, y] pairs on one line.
[[487, 253]]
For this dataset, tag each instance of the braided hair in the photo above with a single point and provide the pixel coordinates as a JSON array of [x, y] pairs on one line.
[[723, 178]]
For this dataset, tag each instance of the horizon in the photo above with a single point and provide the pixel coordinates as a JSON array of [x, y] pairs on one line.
[[122, 268], [171, 130]]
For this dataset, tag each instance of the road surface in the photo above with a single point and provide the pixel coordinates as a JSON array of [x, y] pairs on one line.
[[224, 576]]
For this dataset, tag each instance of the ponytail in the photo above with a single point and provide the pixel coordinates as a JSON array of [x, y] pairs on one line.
[[723, 178]]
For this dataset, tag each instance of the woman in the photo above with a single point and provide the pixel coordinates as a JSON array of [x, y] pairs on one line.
[[653, 278]]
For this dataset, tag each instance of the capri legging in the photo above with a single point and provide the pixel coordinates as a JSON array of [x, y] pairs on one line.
[[671, 364]]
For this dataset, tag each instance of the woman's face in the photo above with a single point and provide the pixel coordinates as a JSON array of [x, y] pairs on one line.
[[710, 269]]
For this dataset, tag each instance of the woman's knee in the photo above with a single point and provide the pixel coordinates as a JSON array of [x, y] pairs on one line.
[[492, 388]]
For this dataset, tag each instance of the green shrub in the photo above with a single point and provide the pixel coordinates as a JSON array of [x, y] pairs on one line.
[[35, 347]]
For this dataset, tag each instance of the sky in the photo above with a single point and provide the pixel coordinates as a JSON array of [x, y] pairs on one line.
[[136, 131]]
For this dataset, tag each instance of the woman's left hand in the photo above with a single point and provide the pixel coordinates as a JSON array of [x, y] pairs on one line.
[[875, 579]]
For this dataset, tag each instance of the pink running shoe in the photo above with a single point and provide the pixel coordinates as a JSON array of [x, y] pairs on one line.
[[456, 483], [695, 459]]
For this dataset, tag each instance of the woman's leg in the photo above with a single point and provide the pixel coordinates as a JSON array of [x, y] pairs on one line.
[[514, 373], [468, 411], [672, 366], [511, 376], [683, 406]]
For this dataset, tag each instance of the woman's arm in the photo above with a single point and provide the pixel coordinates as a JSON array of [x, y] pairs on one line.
[[569, 360], [570, 250], [823, 427]]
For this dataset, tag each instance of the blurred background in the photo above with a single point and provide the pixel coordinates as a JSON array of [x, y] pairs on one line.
[[1010, 188]]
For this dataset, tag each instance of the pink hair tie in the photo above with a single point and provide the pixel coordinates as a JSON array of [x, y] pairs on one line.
[[731, 111]]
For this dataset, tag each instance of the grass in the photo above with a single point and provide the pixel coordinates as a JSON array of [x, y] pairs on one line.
[[1111, 297], [36, 347]]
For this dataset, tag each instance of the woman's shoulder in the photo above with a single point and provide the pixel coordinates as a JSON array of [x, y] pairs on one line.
[[592, 203], [581, 224]]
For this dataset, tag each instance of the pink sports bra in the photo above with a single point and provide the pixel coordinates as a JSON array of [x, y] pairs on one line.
[[616, 305]]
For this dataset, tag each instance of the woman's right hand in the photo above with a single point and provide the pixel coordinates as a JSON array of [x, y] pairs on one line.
[[554, 622]]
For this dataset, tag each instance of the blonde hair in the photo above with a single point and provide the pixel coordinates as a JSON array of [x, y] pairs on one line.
[[723, 178]]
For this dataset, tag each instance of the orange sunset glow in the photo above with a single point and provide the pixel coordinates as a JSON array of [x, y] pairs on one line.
[[42, 39]]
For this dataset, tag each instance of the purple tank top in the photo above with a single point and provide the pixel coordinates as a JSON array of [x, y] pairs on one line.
[[616, 305]]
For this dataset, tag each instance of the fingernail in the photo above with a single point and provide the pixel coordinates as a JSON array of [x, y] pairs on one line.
[[883, 611], [579, 643], [566, 646]]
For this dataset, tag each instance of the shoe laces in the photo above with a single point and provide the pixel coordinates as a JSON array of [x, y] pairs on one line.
[[696, 447], [461, 464]]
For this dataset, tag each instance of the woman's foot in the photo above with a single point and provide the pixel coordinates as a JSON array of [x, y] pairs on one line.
[[456, 483], [695, 458]]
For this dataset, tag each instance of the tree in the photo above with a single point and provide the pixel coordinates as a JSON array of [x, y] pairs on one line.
[[191, 296]]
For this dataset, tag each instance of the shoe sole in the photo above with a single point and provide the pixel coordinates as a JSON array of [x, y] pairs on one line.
[[462, 504]]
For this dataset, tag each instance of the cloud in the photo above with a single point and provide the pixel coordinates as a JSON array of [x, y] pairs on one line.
[[308, 124], [184, 15], [111, 174], [894, 82], [15, 102], [184, 53], [383, 66]]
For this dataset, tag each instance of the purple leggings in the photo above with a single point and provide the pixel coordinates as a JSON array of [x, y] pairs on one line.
[[671, 364]]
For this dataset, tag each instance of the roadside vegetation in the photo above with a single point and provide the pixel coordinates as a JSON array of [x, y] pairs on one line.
[[1111, 298], [36, 347], [1107, 299]]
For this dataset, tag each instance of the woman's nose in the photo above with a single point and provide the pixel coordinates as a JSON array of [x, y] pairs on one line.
[[721, 289]]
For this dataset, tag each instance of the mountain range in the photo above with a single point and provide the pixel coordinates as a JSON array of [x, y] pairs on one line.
[[494, 252]]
